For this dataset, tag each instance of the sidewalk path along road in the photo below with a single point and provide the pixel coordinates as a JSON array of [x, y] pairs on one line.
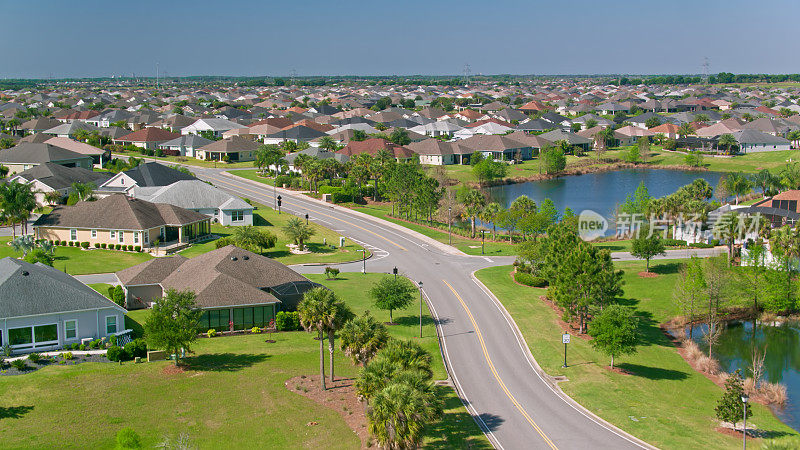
[[512, 400]]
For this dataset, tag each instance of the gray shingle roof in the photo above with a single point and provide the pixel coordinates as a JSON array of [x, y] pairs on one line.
[[58, 177], [155, 174], [43, 290], [38, 153], [191, 194]]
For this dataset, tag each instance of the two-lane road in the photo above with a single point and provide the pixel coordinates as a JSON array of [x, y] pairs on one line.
[[515, 404]]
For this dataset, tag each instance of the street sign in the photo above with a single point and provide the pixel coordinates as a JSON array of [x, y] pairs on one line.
[[565, 338]]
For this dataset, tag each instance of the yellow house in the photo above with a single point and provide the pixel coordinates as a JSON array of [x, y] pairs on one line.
[[118, 219]]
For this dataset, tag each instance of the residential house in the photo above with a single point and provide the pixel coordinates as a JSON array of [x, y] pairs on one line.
[[233, 149], [148, 138], [50, 177], [144, 175], [185, 145], [571, 138], [300, 133], [230, 284], [196, 195], [43, 308], [374, 146], [98, 155], [119, 219], [214, 126], [27, 155], [751, 141], [433, 151]]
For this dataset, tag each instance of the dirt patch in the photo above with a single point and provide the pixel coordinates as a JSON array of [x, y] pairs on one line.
[[617, 370], [571, 327], [172, 369], [647, 275], [340, 396]]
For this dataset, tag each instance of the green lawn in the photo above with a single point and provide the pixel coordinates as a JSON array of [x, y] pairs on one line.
[[188, 161], [77, 261], [101, 288], [663, 401], [268, 219], [233, 396], [252, 174]]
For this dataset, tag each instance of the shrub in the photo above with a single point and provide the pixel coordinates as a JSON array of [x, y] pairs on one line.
[[19, 364], [35, 358], [84, 245], [71, 244], [223, 242], [138, 248], [673, 243], [701, 245], [211, 333], [57, 242], [159, 153], [103, 245], [75, 346], [255, 330], [118, 246], [529, 280], [112, 340], [95, 344], [96, 245], [67, 355], [115, 353], [130, 248], [331, 273], [127, 438], [136, 348], [287, 321], [708, 365], [330, 190], [82, 347], [63, 243]]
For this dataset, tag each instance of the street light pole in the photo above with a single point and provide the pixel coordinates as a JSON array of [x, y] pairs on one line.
[[420, 309], [745, 398], [449, 225], [483, 241]]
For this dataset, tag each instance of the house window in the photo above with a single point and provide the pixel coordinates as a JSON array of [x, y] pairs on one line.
[[111, 324], [94, 234], [121, 236], [146, 235], [70, 329], [135, 238], [113, 234], [45, 333], [73, 235], [20, 336], [237, 216]]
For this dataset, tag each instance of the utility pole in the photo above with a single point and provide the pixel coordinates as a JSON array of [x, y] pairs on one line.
[[706, 66], [467, 72]]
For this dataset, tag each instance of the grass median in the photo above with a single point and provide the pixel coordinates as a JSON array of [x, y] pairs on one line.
[[662, 400]]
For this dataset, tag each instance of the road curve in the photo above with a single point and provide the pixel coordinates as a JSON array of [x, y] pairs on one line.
[[511, 399]]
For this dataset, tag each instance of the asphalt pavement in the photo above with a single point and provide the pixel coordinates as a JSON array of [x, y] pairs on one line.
[[514, 402]]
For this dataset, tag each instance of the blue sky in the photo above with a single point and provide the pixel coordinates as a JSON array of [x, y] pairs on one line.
[[201, 37]]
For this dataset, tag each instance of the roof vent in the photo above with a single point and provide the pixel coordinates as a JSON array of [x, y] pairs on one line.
[[25, 273], [245, 257], [233, 258]]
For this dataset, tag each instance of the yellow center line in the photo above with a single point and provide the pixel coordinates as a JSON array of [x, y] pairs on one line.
[[320, 213], [494, 371]]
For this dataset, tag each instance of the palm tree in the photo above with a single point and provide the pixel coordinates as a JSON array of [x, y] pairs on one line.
[[763, 179], [398, 415], [685, 129], [83, 190], [490, 214], [268, 155], [297, 230], [341, 315], [53, 197], [327, 143], [251, 238], [17, 201], [362, 337], [785, 242], [316, 310], [728, 141], [790, 176], [737, 184], [473, 202], [407, 355], [23, 244]]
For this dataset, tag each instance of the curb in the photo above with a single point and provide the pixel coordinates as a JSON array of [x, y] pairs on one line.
[[549, 380], [430, 241]]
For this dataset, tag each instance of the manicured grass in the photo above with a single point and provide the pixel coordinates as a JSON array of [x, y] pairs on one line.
[[252, 174], [77, 261], [748, 163], [663, 401], [101, 288], [233, 396], [268, 219], [188, 161]]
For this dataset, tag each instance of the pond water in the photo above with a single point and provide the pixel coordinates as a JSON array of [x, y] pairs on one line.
[[781, 365], [602, 191]]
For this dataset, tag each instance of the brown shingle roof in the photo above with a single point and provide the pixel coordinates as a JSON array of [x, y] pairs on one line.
[[232, 144], [151, 134], [118, 212]]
